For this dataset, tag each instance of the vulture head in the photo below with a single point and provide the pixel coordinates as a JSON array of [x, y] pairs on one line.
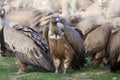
[[56, 28], [2, 12], [3, 20]]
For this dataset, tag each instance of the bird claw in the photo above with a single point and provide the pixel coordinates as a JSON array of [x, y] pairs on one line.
[[56, 72], [18, 73]]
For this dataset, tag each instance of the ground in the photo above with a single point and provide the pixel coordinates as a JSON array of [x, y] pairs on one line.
[[8, 68]]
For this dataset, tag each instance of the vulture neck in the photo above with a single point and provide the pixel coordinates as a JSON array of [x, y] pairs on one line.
[[4, 22], [52, 25]]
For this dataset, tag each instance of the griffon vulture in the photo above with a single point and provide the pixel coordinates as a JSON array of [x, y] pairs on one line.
[[29, 48], [114, 50], [96, 42], [66, 45]]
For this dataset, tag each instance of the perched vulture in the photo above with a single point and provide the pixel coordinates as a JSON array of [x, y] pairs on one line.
[[29, 47], [114, 50], [96, 42], [66, 45]]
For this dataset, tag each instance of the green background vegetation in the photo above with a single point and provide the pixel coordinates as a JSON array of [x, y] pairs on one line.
[[8, 68]]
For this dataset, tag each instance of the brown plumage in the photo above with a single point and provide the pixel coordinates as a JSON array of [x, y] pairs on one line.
[[27, 51], [3, 50], [66, 45], [96, 42], [114, 50], [28, 46]]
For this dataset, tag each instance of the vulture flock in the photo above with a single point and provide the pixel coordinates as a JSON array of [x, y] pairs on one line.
[[54, 35]]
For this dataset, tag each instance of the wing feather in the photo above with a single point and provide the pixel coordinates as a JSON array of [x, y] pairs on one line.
[[45, 33], [27, 50], [76, 42]]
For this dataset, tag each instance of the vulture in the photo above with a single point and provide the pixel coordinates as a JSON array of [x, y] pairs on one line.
[[114, 50], [65, 43], [29, 47], [96, 43]]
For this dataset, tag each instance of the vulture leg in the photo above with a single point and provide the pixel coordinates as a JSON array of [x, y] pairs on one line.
[[22, 66], [66, 65], [98, 58], [56, 64]]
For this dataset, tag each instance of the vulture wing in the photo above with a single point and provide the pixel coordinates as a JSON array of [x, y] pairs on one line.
[[76, 42], [27, 49], [45, 33]]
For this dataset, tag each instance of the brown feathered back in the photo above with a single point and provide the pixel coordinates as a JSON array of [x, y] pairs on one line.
[[114, 50], [76, 42], [97, 39], [27, 50]]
